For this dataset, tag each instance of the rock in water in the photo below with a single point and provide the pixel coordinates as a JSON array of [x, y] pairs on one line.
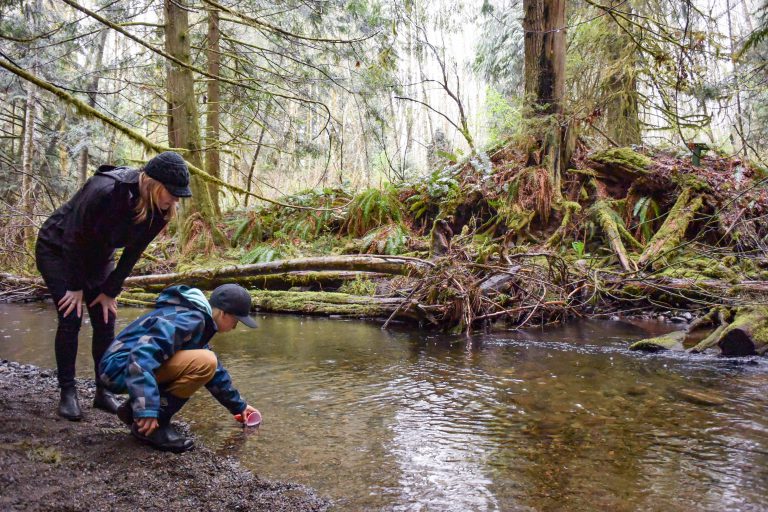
[[671, 341], [700, 397]]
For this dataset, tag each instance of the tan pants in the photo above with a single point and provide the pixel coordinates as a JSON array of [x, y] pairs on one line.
[[187, 371]]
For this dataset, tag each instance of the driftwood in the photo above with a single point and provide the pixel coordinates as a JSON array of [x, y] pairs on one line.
[[499, 283], [14, 280]]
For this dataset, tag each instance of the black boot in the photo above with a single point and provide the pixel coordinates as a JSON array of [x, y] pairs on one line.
[[105, 400], [69, 406], [125, 413], [165, 437]]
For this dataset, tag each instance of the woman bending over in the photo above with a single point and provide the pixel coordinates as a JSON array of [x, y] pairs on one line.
[[117, 207]]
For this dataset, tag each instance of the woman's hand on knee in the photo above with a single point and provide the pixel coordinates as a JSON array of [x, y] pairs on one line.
[[107, 304], [72, 301], [146, 425]]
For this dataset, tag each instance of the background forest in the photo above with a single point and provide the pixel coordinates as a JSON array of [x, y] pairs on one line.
[[576, 127]]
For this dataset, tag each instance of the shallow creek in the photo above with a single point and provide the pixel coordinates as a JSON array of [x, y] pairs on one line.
[[561, 419]]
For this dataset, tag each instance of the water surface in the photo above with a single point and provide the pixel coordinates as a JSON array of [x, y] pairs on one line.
[[562, 419]]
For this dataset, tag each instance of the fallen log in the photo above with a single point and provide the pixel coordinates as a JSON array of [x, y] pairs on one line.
[[311, 303], [679, 292], [283, 281], [609, 221], [672, 231], [620, 164], [499, 283], [20, 281], [742, 332], [393, 265], [723, 317], [747, 334]]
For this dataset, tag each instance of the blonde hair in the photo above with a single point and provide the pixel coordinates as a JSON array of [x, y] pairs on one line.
[[149, 198]]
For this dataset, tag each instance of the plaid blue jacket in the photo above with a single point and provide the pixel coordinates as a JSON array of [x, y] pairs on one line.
[[182, 321]]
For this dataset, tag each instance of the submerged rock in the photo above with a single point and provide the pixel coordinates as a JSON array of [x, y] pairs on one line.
[[700, 397]]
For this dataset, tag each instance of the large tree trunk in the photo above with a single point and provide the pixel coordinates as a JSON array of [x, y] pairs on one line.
[[544, 25], [256, 153], [622, 119], [27, 158], [184, 124], [93, 90], [212, 158]]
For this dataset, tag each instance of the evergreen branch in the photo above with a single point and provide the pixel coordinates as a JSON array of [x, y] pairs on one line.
[[186, 65], [277, 30], [89, 111]]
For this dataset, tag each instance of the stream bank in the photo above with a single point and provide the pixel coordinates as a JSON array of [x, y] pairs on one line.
[[54, 464]]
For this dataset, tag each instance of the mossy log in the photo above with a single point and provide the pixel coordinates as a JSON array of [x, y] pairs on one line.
[[609, 222], [309, 303], [569, 208], [747, 334], [620, 164], [395, 265], [332, 303], [742, 332], [710, 341], [282, 281], [672, 341], [683, 292], [672, 231]]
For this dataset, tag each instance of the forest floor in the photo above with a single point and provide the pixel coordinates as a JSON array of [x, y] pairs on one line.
[[53, 464]]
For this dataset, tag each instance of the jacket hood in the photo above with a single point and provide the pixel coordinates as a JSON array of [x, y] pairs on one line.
[[119, 174], [186, 296]]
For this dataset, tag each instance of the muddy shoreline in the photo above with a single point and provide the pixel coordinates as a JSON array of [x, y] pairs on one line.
[[53, 464]]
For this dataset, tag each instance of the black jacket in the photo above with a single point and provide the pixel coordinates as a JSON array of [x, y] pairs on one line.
[[86, 230]]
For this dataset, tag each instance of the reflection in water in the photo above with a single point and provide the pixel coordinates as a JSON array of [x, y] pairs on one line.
[[565, 419]]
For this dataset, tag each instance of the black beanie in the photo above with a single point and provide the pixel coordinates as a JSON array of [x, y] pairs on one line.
[[170, 169]]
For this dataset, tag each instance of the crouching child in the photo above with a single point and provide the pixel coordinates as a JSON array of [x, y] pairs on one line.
[[163, 357]]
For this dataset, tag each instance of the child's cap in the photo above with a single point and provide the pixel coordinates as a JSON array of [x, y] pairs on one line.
[[235, 300]]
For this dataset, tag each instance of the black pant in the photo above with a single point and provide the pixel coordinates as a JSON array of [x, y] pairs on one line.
[[52, 267]]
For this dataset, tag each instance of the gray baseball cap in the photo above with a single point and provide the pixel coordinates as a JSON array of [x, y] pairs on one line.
[[235, 300]]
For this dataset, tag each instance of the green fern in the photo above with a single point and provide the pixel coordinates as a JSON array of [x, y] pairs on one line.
[[643, 207], [372, 208], [260, 254], [390, 239]]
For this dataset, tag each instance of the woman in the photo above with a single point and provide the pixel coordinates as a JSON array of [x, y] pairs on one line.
[[117, 207]]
